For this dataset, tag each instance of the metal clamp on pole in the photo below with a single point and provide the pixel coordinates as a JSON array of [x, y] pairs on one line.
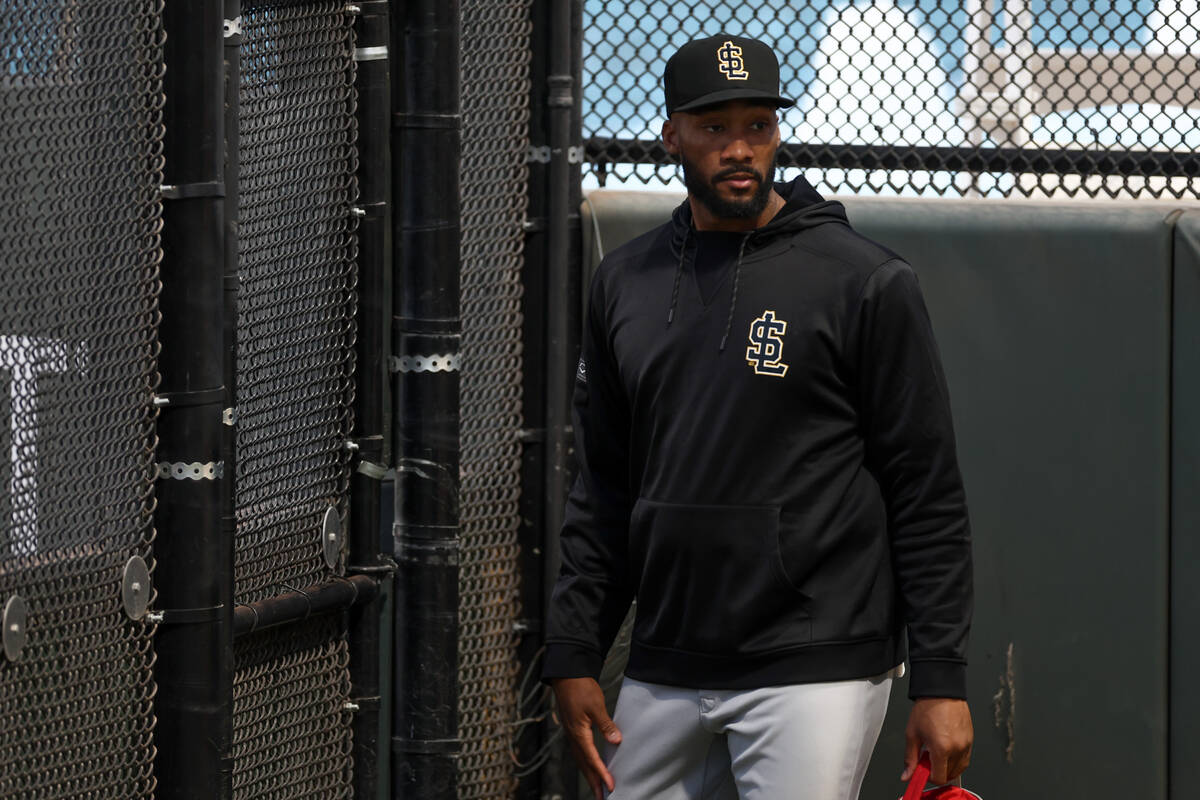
[[426, 746], [191, 470], [200, 397], [437, 362], [185, 616], [186, 191], [377, 53]]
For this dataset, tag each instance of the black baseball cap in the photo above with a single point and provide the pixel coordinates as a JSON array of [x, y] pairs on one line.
[[723, 67]]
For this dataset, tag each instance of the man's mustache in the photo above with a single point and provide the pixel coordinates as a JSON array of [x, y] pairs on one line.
[[737, 172]]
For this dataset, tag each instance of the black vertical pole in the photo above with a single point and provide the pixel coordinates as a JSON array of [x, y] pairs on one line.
[[562, 272], [561, 296], [193, 549], [531, 535], [367, 631], [427, 330], [233, 80]]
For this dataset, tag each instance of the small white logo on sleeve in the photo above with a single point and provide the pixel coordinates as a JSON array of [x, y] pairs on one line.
[[765, 352], [581, 371], [730, 62]]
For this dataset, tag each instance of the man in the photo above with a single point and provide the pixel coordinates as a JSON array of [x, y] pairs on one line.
[[767, 464]]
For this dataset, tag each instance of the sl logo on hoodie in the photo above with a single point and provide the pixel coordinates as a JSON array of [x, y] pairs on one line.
[[766, 345]]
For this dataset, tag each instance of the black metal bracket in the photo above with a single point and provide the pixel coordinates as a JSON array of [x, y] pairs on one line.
[[185, 616], [427, 121], [200, 397], [186, 191], [426, 746]]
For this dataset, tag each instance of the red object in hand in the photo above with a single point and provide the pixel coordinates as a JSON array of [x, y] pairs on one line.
[[917, 791]]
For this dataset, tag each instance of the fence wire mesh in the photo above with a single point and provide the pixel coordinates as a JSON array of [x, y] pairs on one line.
[[296, 301], [495, 108], [295, 363], [81, 103], [948, 97], [291, 728]]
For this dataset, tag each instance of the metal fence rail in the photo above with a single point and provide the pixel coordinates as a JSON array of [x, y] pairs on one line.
[[495, 100], [80, 218], [926, 96]]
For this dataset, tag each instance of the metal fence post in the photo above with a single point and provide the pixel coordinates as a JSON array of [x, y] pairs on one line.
[[427, 330], [369, 625], [553, 307], [194, 550]]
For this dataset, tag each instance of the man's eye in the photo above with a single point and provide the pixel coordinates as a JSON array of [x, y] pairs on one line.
[[714, 128]]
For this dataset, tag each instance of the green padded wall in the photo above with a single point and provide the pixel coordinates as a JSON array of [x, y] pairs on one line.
[[1055, 325], [1185, 515]]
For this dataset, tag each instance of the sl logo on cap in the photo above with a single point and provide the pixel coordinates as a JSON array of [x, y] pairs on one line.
[[730, 62]]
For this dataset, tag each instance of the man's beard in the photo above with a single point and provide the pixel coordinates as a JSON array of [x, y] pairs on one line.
[[706, 191]]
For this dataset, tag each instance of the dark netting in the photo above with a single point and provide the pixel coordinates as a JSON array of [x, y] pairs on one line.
[[959, 97], [80, 165], [495, 100], [296, 267], [295, 338], [291, 727]]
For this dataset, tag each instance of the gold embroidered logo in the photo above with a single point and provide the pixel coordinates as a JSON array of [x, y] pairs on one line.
[[766, 345], [730, 62]]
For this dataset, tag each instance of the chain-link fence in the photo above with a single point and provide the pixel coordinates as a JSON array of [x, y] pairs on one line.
[[81, 98], [295, 361], [296, 297], [495, 107], [970, 97], [80, 215], [290, 725]]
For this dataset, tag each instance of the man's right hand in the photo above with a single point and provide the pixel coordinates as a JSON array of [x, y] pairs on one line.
[[580, 707]]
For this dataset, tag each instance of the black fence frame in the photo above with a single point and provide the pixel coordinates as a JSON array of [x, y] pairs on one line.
[[603, 151], [552, 326], [194, 549], [195, 519]]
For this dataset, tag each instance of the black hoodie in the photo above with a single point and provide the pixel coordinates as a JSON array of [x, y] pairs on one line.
[[772, 475]]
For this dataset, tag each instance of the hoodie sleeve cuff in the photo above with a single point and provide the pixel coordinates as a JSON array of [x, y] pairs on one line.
[[569, 660], [937, 679]]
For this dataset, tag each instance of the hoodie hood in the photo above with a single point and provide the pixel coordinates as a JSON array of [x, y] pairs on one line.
[[803, 208]]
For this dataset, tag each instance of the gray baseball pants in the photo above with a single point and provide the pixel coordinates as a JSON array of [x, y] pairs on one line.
[[799, 742]]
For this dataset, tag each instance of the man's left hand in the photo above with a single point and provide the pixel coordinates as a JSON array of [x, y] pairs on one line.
[[943, 727]]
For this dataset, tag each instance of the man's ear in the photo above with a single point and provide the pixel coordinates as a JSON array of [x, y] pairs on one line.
[[670, 138]]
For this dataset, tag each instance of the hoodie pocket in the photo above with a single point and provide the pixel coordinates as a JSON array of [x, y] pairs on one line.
[[710, 580]]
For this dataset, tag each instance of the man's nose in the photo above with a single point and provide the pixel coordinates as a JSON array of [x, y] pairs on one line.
[[738, 150]]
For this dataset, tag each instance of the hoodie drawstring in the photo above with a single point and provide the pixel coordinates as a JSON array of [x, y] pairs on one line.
[[737, 269], [678, 274]]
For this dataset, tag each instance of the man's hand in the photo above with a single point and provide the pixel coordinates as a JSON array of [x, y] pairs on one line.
[[580, 706], [943, 727]]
